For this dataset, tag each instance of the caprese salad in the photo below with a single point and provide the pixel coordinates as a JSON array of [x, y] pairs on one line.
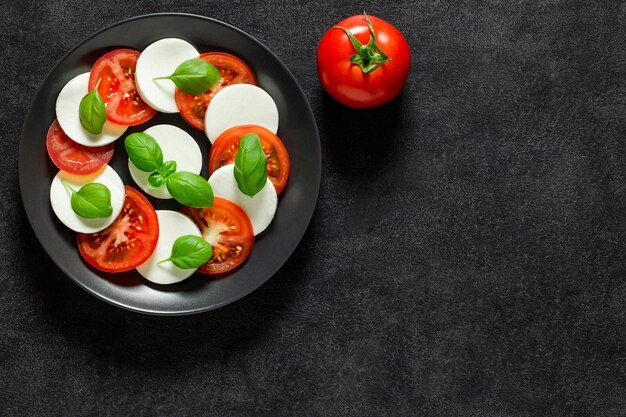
[[117, 228]]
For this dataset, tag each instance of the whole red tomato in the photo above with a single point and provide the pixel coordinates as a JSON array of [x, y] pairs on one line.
[[363, 61]]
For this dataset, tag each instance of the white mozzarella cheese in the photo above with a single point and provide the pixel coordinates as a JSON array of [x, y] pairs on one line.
[[176, 145], [68, 116], [172, 225], [160, 59], [240, 104], [60, 198], [260, 208]]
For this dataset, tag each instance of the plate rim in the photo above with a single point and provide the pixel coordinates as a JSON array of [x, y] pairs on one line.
[[183, 311]]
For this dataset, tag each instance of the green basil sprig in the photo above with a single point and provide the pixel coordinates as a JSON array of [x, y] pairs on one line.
[[92, 112], [189, 252], [92, 201], [194, 76], [190, 189], [186, 187], [250, 165], [157, 178]]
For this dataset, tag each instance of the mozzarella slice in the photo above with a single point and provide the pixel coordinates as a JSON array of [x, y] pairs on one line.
[[172, 225], [260, 208], [67, 106], [160, 59], [60, 198], [240, 104], [176, 145]]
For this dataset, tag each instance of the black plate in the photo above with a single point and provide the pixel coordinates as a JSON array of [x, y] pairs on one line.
[[297, 128]]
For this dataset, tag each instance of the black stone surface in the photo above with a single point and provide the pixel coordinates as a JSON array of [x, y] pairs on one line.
[[466, 257]]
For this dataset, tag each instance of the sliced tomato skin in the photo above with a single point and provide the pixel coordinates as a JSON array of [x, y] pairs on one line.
[[128, 242], [73, 157], [116, 72], [225, 148], [234, 241], [233, 71]]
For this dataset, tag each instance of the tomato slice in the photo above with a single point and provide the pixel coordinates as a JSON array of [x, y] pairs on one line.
[[73, 157], [128, 242], [228, 229], [226, 145], [233, 71], [116, 73]]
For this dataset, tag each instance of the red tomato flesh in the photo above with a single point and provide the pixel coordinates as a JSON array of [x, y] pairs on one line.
[[228, 229], [346, 82], [233, 71], [73, 157], [226, 145], [128, 242], [116, 73]]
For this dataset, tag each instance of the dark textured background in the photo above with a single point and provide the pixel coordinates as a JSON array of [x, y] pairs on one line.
[[466, 257]]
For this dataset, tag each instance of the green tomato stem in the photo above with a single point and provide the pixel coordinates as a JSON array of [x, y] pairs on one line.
[[369, 56]]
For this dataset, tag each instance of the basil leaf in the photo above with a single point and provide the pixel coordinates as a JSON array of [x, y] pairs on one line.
[[92, 201], [155, 180], [168, 168], [190, 252], [194, 76], [190, 189], [144, 151], [92, 112], [250, 165]]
